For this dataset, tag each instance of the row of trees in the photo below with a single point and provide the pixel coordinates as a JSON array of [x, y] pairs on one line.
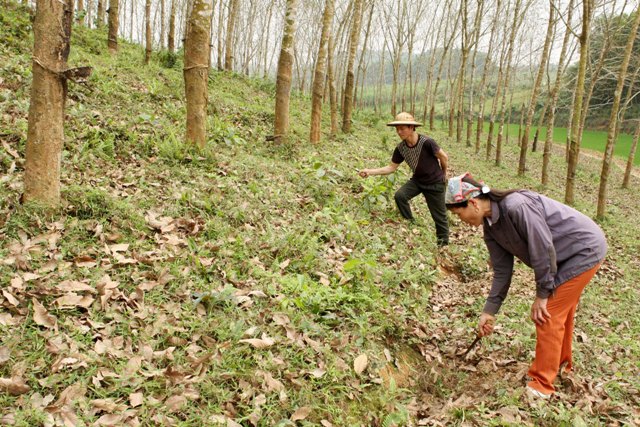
[[460, 60]]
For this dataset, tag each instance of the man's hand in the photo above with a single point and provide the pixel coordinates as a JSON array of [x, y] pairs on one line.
[[485, 325], [539, 313], [364, 173]]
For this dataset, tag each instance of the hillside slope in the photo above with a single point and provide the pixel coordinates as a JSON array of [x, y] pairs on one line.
[[252, 284]]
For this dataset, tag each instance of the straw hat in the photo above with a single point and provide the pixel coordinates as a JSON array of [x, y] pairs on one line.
[[404, 119]]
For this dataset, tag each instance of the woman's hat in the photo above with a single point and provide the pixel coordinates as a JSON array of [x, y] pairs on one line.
[[460, 190], [404, 119]]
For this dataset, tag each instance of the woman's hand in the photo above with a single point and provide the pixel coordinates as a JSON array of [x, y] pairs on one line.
[[485, 325], [539, 313]]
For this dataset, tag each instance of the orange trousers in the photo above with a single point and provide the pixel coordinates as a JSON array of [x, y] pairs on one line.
[[555, 336]]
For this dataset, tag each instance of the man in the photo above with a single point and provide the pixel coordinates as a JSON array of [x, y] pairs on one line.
[[429, 165]]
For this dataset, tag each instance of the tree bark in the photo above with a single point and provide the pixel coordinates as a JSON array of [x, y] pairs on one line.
[[333, 96], [613, 120], [576, 120], [349, 83], [631, 158], [283, 80], [80, 15], [229, 49], [171, 43], [147, 17], [114, 17], [196, 70], [319, 74], [100, 14], [163, 28], [45, 133]]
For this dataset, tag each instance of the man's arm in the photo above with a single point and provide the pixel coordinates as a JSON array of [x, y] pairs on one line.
[[385, 170]]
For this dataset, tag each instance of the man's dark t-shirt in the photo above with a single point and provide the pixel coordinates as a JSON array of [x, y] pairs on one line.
[[422, 160]]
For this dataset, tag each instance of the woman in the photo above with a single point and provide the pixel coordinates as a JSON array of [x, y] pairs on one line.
[[563, 247]]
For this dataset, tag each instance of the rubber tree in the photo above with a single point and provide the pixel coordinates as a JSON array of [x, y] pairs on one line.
[[576, 119], [147, 23], [112, 40], [632, 156], [171, 36], [283, 79], [196, 70], [229, 41], [319, 75], [45, 132], [349, 86]]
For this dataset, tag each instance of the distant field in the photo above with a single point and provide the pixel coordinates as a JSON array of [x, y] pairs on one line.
[[592, 140]]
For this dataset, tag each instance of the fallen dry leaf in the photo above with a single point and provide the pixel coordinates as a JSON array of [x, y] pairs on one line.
[[301, 413], [41, 316], [136, 399], [5, 354], [75, 286], [360, 364], [263, 342], [174, 403], [109, 420], [14, 386], [73, 300]]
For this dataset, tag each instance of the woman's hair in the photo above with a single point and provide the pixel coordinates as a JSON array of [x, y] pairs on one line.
[[492, 194]]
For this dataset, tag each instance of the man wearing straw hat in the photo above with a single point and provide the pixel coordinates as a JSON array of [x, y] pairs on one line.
[[429, 165]]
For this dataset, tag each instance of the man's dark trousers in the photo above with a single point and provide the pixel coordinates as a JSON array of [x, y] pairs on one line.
[[434, 196]]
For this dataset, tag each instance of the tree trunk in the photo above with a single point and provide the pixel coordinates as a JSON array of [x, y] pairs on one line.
[[631, 158], [196, 70], [89, 16], [349, 83], [458, 100], [229, 49], [45, 133], [495, 101], [476, 38], [548, 142], [171, 43], [220, 55], [319, 73], [147, 17], [611, 134], [524, 144], [265, 48], [163, 28], [283, 80], [100, 14], [361, 63], [80, 13], [576, 120], [517, 22], [112, 42], [333, 98]]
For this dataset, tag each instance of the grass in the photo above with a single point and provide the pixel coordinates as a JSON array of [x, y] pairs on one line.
[[189, 253]]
